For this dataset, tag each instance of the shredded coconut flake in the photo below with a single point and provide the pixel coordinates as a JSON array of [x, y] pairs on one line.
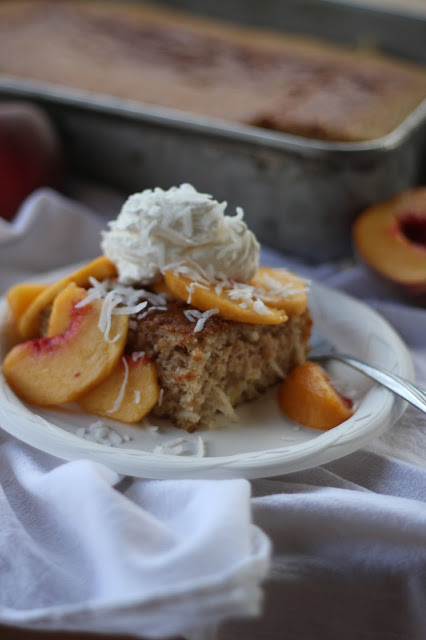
[[153, 428], [160, 397], [224, 405], [199, 317], [192, 314], [137, 355], [119, 399], [119, 299], [260, 307], [182, 446], [201, 448], [102, 434], [173, 447], [97, 291], [129, 311], [109, 303], [204, 317]]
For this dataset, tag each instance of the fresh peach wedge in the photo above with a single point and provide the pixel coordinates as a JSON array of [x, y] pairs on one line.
[[62, 309], [20, 296], [161, 288], [281, 289], [60, 368], [128, 394], [206, 297], [100, 268], [308, 397]]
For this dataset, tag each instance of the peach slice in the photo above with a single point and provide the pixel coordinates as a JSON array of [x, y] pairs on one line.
[[205, 297], [281, 289], [308, 397], [21, 295], [62, 308], [100, 268], [58, 369], [128, 394], [161, 287], [390, 238]]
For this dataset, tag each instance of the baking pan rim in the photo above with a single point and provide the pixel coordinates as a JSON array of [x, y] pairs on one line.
[[14, 88]]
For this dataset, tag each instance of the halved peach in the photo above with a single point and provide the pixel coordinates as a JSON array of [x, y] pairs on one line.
[[58, 369], [128, 394], [21, 295], [281, 289], [308, 397], [390, 238], [100, 268], [62, 308], [205, 297]]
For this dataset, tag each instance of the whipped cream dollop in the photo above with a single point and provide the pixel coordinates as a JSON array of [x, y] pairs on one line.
[[177, 229]]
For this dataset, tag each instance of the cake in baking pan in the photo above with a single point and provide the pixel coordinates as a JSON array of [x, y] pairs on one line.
[[204, 67]]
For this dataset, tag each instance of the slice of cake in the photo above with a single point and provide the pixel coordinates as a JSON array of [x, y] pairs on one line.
[[219, 366]]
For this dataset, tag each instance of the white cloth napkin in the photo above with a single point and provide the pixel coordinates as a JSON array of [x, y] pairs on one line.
[[82, 548]]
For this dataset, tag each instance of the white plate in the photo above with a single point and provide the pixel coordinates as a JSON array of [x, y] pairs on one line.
[[263, 443]]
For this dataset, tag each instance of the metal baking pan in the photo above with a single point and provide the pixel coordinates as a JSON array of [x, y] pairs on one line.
[[299, 195], [397, 28]]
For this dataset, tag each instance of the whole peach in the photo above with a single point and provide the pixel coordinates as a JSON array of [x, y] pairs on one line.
[[30, 154]]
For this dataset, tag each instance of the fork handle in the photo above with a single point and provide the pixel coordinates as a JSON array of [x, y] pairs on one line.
[[401, 387]]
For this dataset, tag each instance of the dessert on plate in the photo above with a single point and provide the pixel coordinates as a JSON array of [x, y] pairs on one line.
[[176, 318]]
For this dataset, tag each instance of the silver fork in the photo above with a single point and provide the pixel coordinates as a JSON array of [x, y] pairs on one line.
[[323, 350]]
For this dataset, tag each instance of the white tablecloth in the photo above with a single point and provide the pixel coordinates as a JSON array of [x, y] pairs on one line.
[[82, 548], [349, 538]]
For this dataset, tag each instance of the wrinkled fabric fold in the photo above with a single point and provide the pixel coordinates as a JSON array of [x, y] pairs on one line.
[[174, 555]]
